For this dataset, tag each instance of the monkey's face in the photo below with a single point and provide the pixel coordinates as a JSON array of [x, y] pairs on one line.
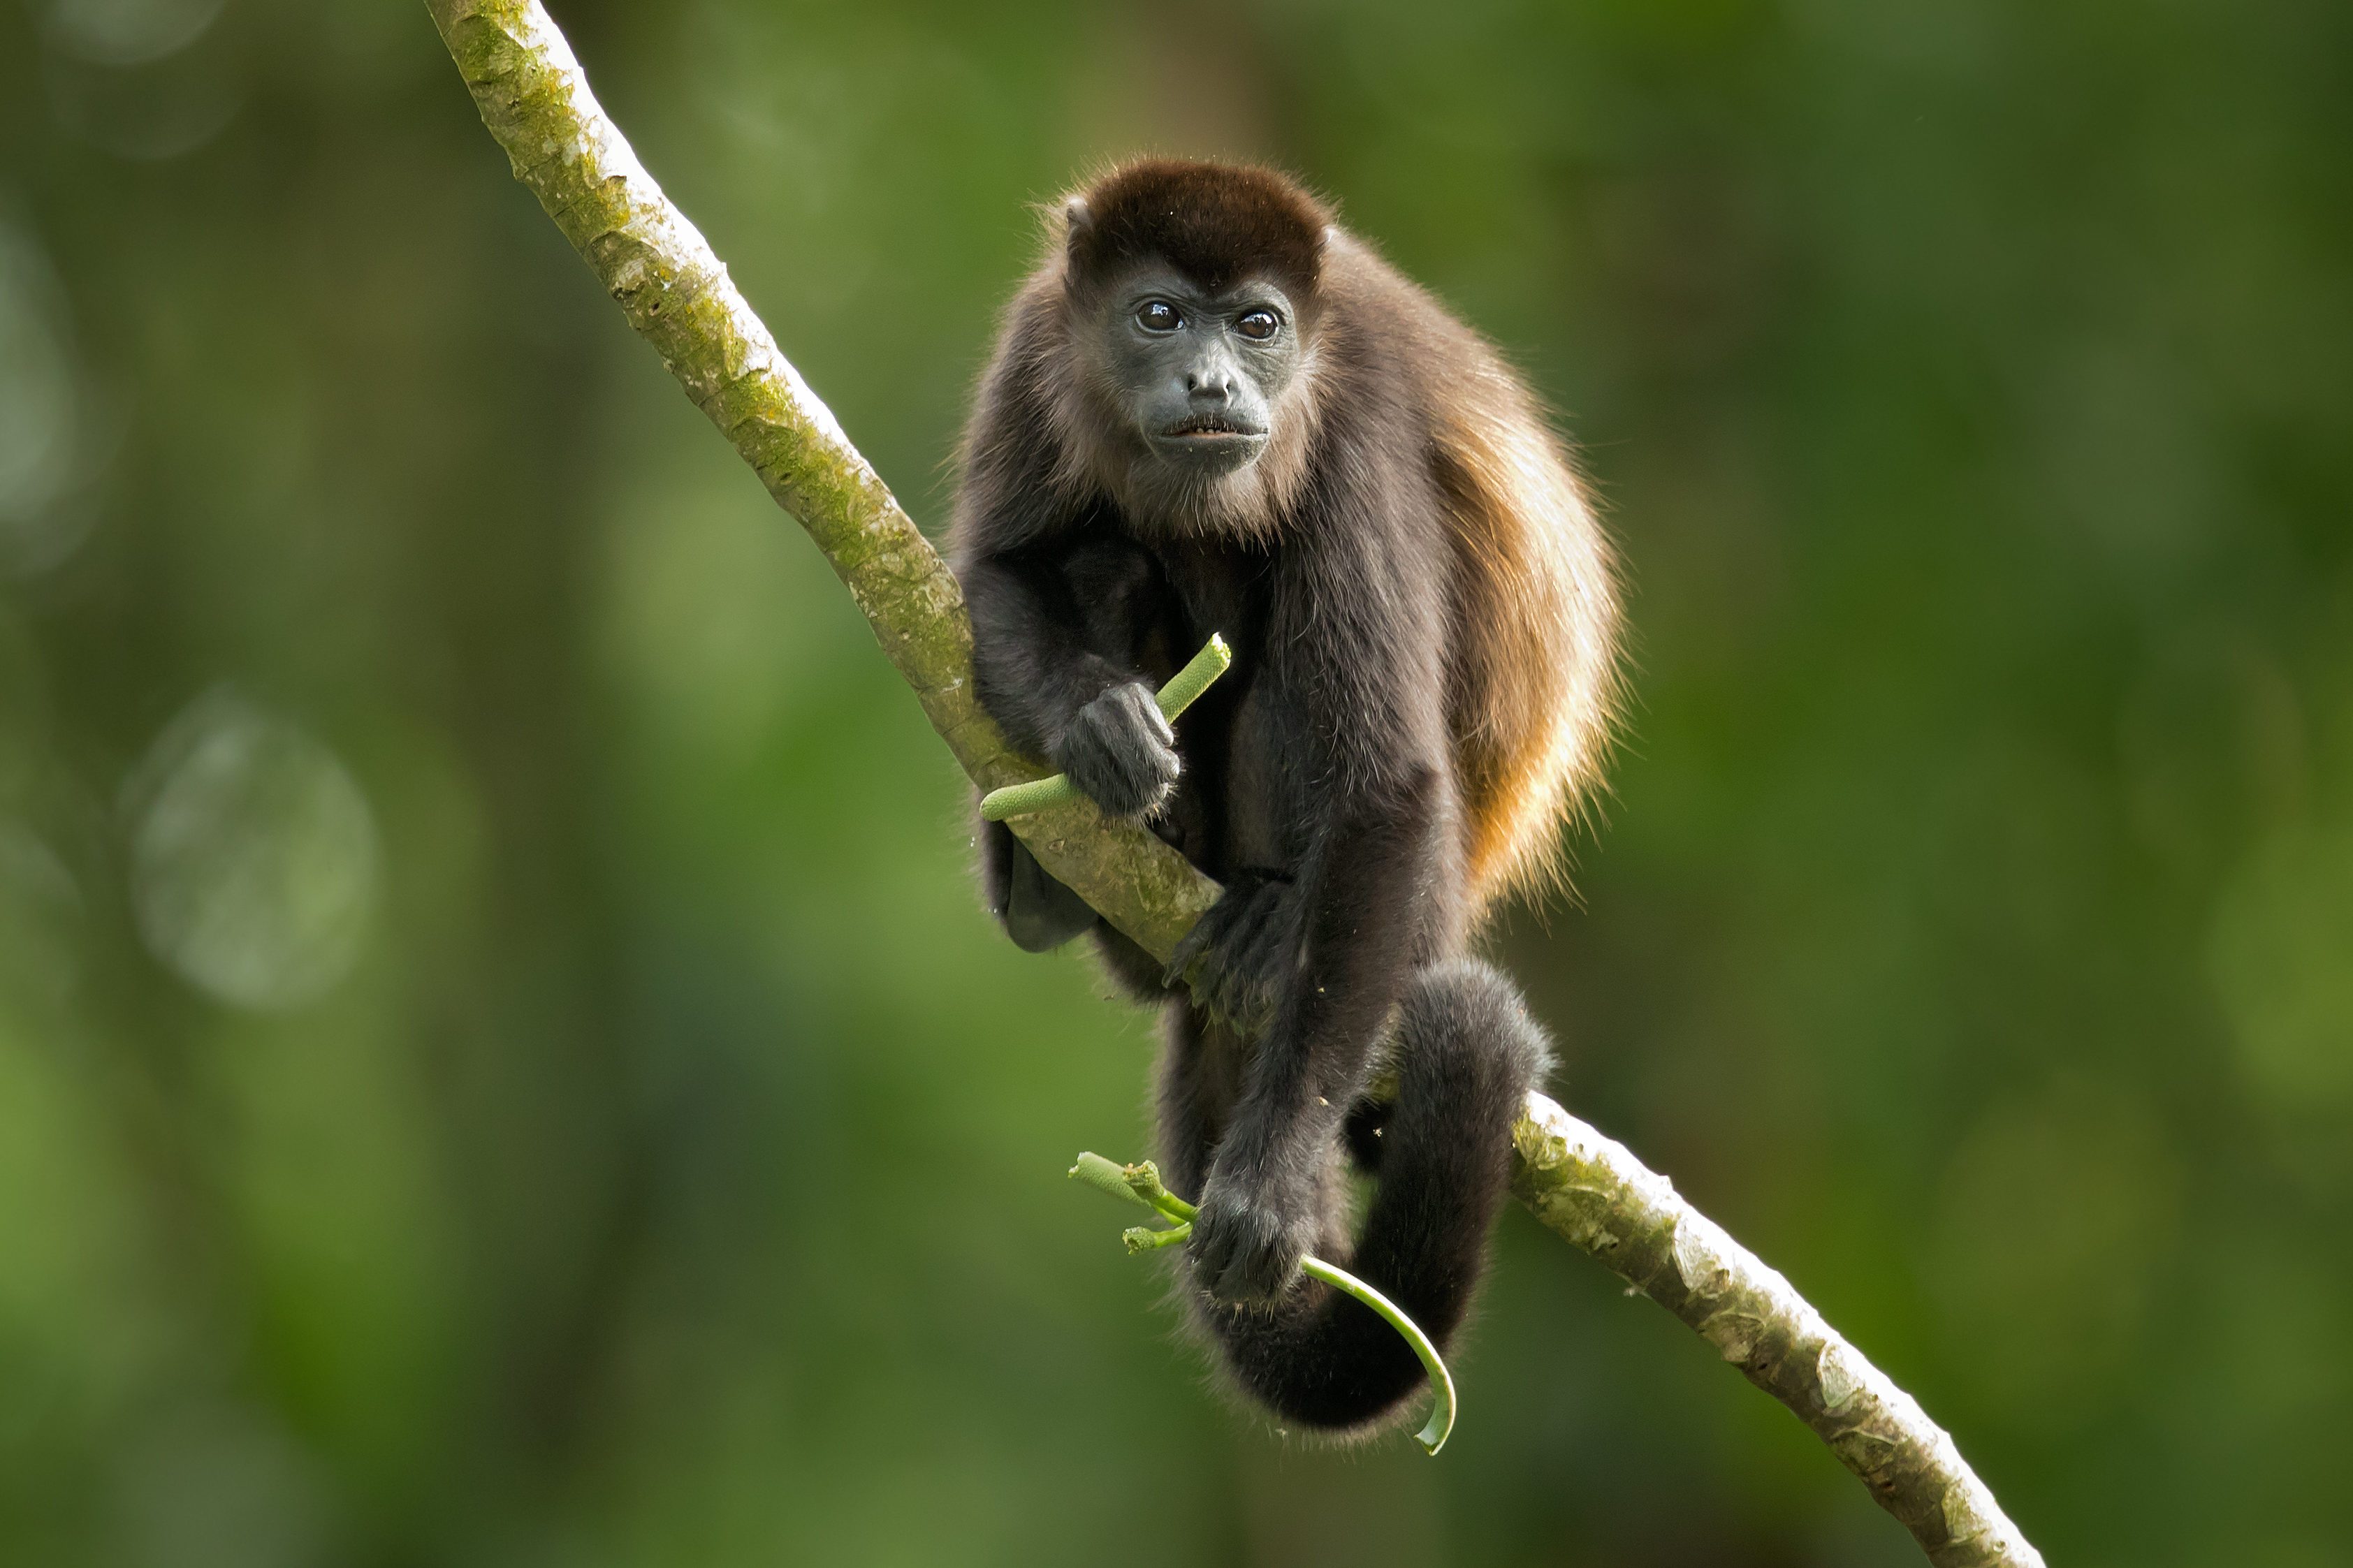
[[1201, 377]]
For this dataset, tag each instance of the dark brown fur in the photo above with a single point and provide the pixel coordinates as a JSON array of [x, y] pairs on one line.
[[1210, 220], [1423, 611]]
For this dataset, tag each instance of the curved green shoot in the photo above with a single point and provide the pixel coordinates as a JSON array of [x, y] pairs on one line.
[[1440, 1424], [1056, 789], [1141, 1185]]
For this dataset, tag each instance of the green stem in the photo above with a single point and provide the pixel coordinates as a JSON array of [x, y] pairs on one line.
[[1141, 1185], [1141, 1238], [1056, 789], [1214, 659], [1434, 1431], [1108, 1177]]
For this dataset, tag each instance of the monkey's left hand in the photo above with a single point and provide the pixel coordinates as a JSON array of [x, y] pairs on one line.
[[1239, 955], [1256, 1222]]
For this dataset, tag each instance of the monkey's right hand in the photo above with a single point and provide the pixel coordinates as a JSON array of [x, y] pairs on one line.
[[1120, 753]]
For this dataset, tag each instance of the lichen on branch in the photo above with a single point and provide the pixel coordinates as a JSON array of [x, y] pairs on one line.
[[535, 102]]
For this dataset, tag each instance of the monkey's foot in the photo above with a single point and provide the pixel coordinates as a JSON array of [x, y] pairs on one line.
[[1239, 954], [1247, 1244]]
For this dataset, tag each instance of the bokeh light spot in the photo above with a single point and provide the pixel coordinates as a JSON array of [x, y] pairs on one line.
[[130, 32], [2280, 953], [39, 413], [253, 863]]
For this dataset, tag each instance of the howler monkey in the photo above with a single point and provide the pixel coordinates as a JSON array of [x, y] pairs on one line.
[[1213, 410]]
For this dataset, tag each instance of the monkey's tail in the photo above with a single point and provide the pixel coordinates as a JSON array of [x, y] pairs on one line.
[[1467, 1053]]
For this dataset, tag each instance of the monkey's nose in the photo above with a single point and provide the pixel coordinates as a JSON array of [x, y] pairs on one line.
[[1209, 387]]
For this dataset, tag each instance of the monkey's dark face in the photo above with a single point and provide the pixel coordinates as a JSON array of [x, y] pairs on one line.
[[1200, 375]]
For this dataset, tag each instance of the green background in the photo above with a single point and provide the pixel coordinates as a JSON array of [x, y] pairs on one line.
[[500, 1058]]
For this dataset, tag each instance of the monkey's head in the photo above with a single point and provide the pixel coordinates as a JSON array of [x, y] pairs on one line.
[[1191, 292]]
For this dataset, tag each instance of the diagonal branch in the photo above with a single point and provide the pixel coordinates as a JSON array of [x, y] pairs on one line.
[[677, 294]]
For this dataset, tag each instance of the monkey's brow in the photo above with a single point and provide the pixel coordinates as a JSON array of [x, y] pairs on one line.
[[1164, 282]]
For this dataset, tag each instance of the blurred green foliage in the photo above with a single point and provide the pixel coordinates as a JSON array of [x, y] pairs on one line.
[[498, 1058]]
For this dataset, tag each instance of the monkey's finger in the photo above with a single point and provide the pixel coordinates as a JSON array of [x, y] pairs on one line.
[[1257, 1271], [1231, 1282], [1214, 929], [1193, 944], [1252, 958], [1243, 1254], [1156, 720], [1272, 1270], [1133, 702], [1212, 1251]]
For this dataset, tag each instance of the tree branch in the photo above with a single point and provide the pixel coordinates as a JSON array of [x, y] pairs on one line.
[[537, 103]]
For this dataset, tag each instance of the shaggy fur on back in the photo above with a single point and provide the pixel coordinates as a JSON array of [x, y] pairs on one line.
[[1421, 609]]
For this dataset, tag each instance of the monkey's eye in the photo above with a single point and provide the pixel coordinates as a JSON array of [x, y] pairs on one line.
[[1257, 326], [1158, 316]]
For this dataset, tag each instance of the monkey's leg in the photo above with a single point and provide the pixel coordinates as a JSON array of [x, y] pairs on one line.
[[1039, 913], [1201, 1069], [1364, 902], [1467, 1053], [1200, 1075]]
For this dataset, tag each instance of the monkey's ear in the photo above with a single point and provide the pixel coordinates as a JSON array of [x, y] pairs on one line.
[[1078, 222]]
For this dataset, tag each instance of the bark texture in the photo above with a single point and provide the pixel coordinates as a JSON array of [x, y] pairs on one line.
[[536, 104], [1602, 1200]]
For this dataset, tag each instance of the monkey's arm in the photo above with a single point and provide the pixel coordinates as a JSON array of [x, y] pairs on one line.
[[1040, 669], [1031, 665], [1042, 676]]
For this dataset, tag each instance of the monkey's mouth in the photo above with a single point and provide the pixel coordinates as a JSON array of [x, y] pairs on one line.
[[1208, 433]]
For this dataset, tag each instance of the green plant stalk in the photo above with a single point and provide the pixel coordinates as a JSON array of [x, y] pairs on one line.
[[1056, 789], [1141, 1185], [1434, 1431], [1142, 1238]]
